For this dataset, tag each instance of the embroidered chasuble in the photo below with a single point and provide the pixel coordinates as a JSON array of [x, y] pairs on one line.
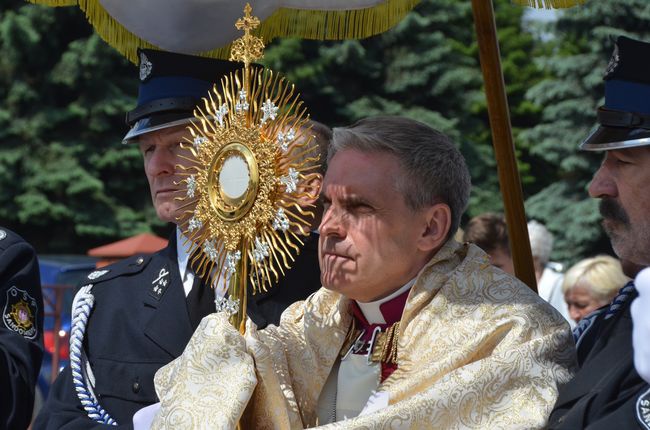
[[475, 348]]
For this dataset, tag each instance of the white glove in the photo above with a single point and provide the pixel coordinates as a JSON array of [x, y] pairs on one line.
[[641, 324], [144, 417]]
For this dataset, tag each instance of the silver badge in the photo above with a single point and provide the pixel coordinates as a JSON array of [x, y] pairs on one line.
[[145, 67], [613, 63], [643, 410], [3, 234], [96, 274]]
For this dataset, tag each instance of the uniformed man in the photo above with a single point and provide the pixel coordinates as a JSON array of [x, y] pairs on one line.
[[21, 331], [133, 317], [607, 392]]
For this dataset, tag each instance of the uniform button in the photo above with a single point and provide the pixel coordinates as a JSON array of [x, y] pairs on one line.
[[139, 261], [136, 387]]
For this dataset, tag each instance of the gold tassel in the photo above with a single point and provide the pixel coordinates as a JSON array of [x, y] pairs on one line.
[[307, 24], [549, 4]]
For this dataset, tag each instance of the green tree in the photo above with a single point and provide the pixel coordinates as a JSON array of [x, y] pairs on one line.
[[66, 182], [575, 60]]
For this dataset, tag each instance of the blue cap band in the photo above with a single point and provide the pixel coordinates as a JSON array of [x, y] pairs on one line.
[[172, 86], [627, 96]]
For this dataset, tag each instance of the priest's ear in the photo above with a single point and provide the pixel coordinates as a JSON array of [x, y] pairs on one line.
[[435, 227]]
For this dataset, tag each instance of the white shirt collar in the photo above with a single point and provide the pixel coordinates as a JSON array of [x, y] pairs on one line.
[[183, 246]]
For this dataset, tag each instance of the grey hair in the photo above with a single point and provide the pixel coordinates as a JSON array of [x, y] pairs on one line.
[[434, 169], [541, 241]]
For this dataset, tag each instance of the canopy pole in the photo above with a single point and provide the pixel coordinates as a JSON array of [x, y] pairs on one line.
[[504, 148]]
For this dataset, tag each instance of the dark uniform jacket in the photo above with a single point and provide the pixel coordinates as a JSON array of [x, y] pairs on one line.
[[21, 330], [139, 323], [606, 392]]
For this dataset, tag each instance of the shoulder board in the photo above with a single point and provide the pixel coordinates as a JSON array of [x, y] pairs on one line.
[[9, 238], [126, 267]]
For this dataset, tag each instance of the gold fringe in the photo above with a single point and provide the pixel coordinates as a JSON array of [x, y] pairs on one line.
[[54, 3], [335, 25], [307, 24], [549, 4]]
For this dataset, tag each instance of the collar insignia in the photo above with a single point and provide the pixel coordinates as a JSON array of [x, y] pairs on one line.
[[160, 283]]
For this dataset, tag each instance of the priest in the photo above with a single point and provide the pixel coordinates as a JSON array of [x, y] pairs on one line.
[[410, 328]]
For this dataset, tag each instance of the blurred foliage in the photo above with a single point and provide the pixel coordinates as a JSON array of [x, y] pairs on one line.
[[66, 182]]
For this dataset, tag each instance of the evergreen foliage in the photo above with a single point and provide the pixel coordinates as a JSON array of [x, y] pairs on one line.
[[66, 182]]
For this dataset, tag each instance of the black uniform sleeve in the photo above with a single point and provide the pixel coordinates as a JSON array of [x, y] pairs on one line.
[[21, 330]]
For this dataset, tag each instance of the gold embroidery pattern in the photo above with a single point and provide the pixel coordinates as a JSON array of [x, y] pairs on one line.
[[190, 386], [477, 349]]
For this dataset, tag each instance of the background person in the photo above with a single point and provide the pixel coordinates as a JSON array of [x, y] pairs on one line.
[[489, 232], [548, 273], [21, 330], [146, 307], [592, 283]]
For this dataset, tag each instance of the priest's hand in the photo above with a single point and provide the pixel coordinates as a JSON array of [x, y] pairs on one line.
[[210, 384], [641, 325]]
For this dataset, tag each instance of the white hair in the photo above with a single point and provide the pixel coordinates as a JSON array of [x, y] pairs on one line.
[[541, 241]]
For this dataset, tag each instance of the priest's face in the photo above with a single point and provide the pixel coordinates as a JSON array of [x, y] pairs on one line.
[[163, 156], [368, 236]]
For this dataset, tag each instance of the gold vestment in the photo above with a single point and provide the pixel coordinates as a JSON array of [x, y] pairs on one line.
[[477, 349]]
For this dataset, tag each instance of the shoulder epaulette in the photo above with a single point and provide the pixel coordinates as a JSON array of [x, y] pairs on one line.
[[126, 267], [9, 238]]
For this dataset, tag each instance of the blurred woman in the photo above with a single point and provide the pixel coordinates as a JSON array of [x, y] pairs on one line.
[[591, 284]]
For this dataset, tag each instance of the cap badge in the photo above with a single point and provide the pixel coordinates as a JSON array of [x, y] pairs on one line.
[[613, 63], [145, 67]]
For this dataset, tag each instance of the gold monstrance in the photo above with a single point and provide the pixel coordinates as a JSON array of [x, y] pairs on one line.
[[251, 150]]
